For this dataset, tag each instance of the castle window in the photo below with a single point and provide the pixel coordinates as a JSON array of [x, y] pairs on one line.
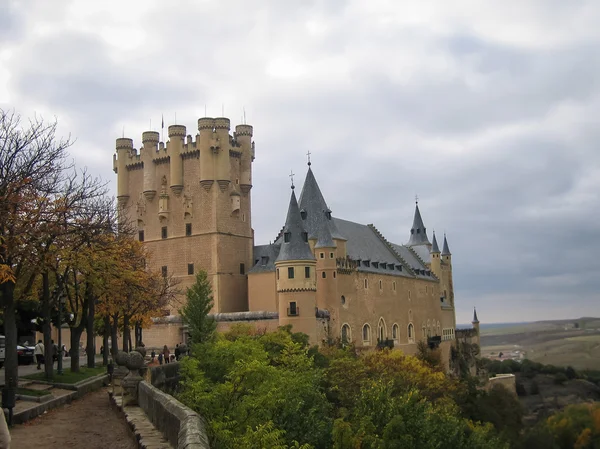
[[367, 263], [366, 283], [334, 275], [243, 217], [141, 236], [277, 273], [395, 332], [305, 236], [380, 285], [306, 272], [303, 214], [345, 334], [322, 255], [163, 232], [237, 181], [409, 294], [411, 333], [188, 229], [394, 285], [438, 328], [164, 271], [290, 272], [287, 236], [242, 268], [376, 264], [383, 265], [264, 260], [323, 275], [366, 334], [190, 268], [381, 330], [418, 231], [331, 255], [343, 300], [293, 309], [412, 231]]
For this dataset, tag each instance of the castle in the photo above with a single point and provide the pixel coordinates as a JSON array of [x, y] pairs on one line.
[[327, 277]]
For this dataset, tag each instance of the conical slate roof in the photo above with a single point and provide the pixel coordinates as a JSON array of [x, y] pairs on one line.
[[294, 245], [418, 233], [446, 250], [317, 216], [434, 246], [475, 320]]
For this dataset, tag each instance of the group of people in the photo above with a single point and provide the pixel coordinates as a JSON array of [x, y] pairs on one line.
[[39, 353], [166, 356]]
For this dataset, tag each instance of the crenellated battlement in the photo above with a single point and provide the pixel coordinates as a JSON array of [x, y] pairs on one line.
[[222, 123], [150, 137], [177, 131], [124, 143], [243, 130]]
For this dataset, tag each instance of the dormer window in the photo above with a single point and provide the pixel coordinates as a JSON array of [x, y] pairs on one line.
[[376, 264], [287, 236], [367, 263], [303, 214], [418, 231], [305, 236], [412, 231], [264, 260], [328, 214], [383, 265]]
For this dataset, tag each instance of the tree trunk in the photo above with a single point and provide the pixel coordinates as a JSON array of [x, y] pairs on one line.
[[91, 341], [105, 336], [113, 335], [11, 366], [75, 339], [126, 333], [47, 329], [138, 334]]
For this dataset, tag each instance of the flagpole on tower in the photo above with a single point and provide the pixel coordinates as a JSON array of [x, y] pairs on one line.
[[162, 127]]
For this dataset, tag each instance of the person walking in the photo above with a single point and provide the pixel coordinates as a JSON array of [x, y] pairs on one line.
[[166, 354], [4, 433], [38, 351], [152, 356], [160, 358], [177, 352], [54, 352]]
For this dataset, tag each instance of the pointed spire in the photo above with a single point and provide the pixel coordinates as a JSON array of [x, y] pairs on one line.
[[475, 320], [317, 216], [445, 249], [434, 246], [294, 245], [418, 232]]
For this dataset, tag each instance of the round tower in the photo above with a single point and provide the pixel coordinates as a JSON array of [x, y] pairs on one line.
[[150, 141], [243, 135], [296, 276], [124, 148], [174, 148], [207, 142], [222, 165], [436, 262]]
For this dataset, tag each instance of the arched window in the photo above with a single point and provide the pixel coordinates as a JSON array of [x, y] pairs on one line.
[[411, 333], [343, 300], [346, 337], [396, 332], [381, 330], [366, 334], [380, 285]]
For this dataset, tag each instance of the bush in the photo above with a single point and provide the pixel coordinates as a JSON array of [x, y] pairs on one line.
[[560, 378], [535, 388], [570, 372], [521, 391]]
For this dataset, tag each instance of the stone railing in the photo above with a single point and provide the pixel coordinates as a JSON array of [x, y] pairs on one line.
[[164, 377], [180, 425]]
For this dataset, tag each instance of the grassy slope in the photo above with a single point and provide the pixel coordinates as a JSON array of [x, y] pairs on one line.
[[549, 342]]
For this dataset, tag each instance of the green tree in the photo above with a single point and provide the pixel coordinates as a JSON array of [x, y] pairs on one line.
[[196, 311]]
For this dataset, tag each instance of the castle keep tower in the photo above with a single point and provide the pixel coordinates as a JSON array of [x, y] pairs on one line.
[[190, 201]]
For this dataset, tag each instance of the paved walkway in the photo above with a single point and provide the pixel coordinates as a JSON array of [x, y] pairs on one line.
[[31, 369], [88, 423]]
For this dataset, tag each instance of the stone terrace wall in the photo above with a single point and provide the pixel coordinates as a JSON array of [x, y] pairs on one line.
[[164, 377], [181, 426]]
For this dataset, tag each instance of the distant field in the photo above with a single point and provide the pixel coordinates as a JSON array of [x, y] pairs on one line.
[[561, 343]]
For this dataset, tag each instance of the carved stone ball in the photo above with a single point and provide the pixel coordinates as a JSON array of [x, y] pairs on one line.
[[141, 350], [122, 358], [136, 361]]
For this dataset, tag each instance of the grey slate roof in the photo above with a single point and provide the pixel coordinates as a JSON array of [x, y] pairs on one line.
[[434, 246], [446, 250], [364, 245], [296, 248], [418, 232], [413, 262], [318, 222], [264, 258], [423, 252]]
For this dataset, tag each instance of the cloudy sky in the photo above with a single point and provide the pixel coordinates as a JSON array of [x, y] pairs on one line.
[[487, 110]]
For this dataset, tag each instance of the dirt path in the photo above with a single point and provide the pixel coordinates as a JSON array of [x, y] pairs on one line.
[[88, 423]]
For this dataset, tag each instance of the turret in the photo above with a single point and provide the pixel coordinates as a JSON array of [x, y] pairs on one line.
[[446, 255], [124, 149], [436, 261], [207, 143], [296, 276], [222, 164], [174, 149], [150, 141], [243, 136], [418, 232], [475, 324]]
